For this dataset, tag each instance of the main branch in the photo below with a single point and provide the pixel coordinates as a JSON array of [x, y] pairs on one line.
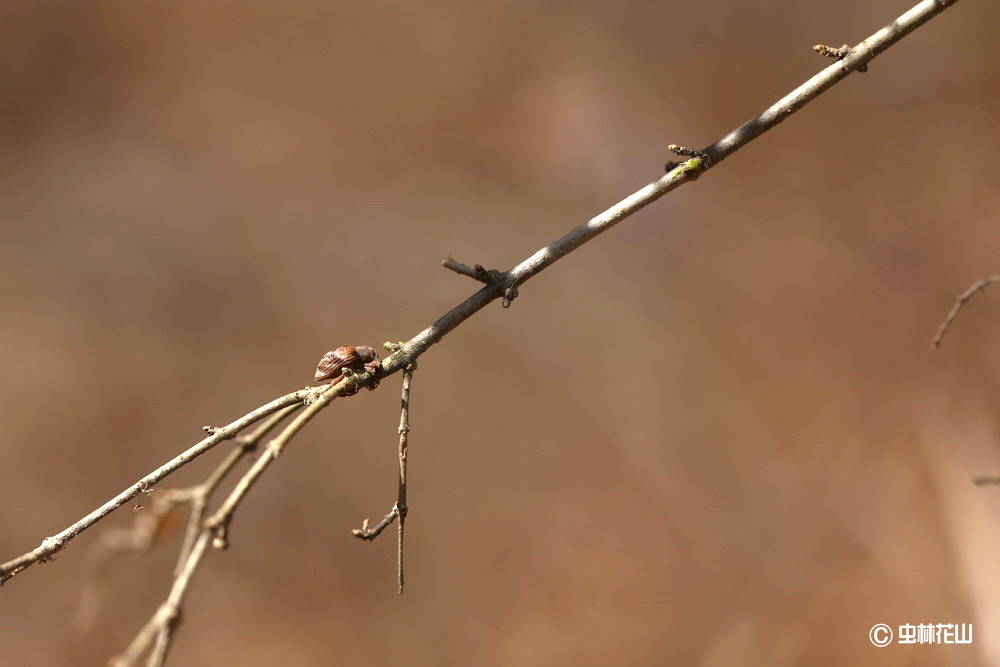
[[856, 59]]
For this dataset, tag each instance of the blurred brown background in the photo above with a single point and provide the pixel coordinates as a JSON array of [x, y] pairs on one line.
[[714, 436]]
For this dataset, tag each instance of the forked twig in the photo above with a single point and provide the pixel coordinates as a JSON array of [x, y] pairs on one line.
[[399, 509], [52, 545], [198, 497], [159, 630]]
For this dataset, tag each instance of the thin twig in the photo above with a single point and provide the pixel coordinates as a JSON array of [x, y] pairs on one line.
[[475, 272], [404, 433], [219, 522], [159, 630], [201, 494], [52, 545], [369, 532], [150, 527], [975, 288], [400, 509]]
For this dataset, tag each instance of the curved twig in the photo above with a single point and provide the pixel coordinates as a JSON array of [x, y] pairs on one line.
[[975, 288]]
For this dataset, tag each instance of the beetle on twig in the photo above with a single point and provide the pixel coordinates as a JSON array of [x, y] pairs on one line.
[[346, 360]]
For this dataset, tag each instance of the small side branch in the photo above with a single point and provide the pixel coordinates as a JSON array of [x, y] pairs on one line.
[[503, 283], [975, 288], [201, 494], [704, 160], [839, 53], [400, 509], [986, 480], [476, 272]]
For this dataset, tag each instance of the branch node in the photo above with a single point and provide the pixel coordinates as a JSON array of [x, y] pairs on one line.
[[356, 380], [509, 294], [221, 540], [367, 533], [500, 280], [313, 395], [487, 276], [838, 53], [52, 545], [692, 169]]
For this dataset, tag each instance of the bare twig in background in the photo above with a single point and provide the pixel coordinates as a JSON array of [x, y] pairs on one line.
[[399, 509], [960, 301], [149, 529], [498, 285], [976, 287]]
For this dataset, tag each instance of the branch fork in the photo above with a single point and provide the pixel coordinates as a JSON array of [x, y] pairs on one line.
[[503, 282], [840, 53], [700, 161], [399, 508]]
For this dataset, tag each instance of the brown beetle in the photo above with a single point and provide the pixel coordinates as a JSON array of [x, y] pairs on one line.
[[356, 358]]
